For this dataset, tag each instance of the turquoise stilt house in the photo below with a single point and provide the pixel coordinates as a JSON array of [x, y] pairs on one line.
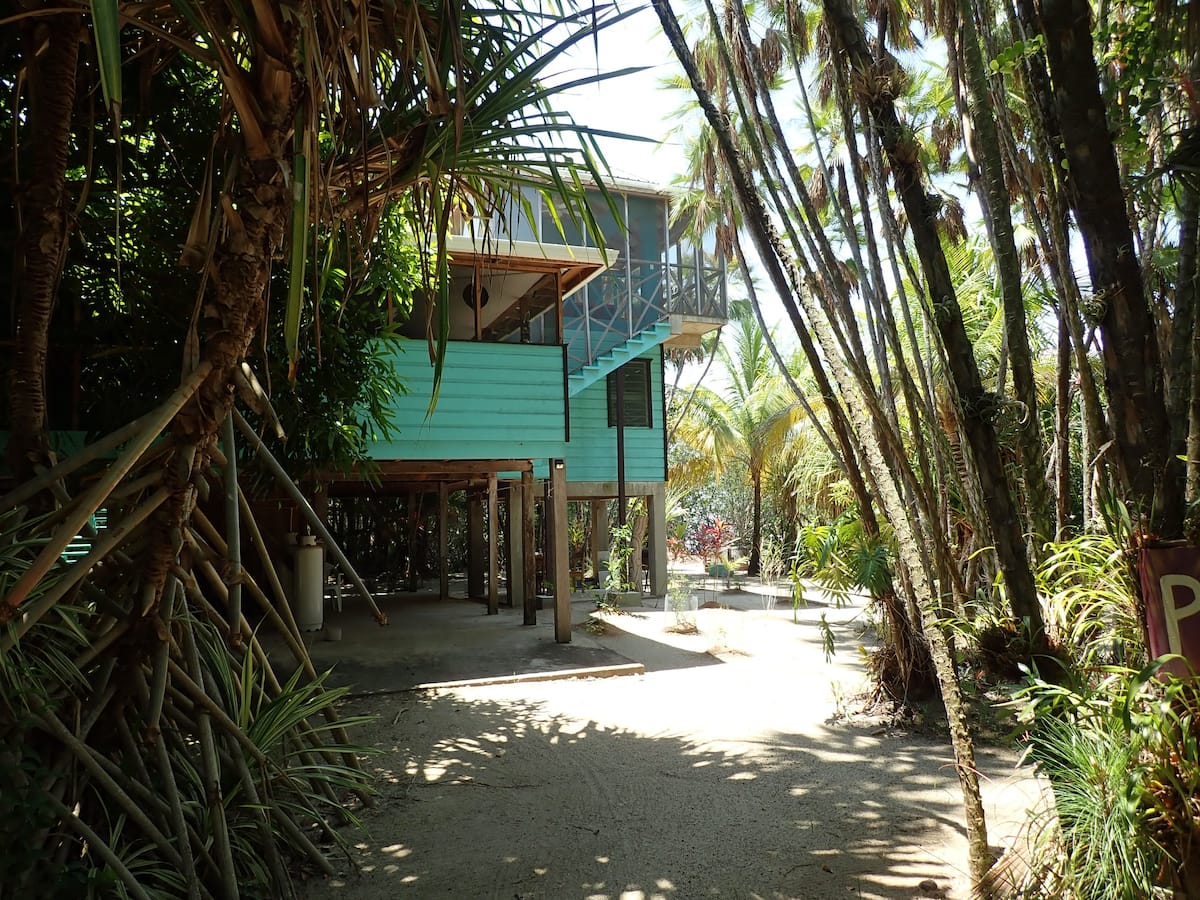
[[552, 385]]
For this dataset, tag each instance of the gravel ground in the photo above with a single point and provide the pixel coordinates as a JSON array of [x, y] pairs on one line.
[[724, 771]]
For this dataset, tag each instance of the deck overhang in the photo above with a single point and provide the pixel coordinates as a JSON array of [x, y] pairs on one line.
[[523, 278], [687, 330]]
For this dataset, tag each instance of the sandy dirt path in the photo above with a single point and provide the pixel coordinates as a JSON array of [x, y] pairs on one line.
[[719, 773]]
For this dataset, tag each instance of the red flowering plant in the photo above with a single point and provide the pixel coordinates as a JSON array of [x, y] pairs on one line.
[[713, 541]]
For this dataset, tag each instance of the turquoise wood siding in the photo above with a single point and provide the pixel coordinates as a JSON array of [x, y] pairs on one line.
[[592, 453], [497, 401]]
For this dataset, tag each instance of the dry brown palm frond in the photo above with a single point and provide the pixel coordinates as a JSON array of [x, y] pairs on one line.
[[1031, 257], [798, 29], [848, 273], [945, 135], [770, 54], [818, 189], [709, 170], [952, 219]]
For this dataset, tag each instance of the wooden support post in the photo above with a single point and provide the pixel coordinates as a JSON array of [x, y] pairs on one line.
[[493, 548], [475, 545], [562, 561], [656, 513], [443, 541], [514, 541], [529, 549], [622, 500]]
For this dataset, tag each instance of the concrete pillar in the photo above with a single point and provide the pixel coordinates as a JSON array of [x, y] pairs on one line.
[[493, 548], [516, 546], [528, 519], [476, 549], [561, 563], [656, 538], [599, 516]]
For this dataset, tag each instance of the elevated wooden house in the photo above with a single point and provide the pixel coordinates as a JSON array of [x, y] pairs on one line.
[[547, 334]]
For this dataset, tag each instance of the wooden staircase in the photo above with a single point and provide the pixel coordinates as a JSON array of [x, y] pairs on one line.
[[589, 374]]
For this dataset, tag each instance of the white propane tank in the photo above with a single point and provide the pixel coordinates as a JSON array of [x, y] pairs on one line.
[[310, 583]]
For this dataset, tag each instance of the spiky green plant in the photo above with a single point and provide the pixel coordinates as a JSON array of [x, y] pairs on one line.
[[1090, 601], [1123, 762]]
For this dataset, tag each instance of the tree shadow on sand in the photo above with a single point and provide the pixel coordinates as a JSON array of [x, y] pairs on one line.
[[484, 795]]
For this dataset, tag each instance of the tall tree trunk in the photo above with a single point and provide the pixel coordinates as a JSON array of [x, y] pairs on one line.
[[755, 561], [1132, 367], [254, 227], [784, 278], [978, 408], [1182, 391], [1184, 328], [45, 219], [998, 220], [1062, 430], [1049, 158]]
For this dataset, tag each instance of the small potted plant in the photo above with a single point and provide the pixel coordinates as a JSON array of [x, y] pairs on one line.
[[619, 589]]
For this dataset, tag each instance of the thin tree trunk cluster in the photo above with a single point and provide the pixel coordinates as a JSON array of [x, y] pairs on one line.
[[961, 472]]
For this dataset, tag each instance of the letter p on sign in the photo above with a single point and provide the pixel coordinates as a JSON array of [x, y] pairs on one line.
[[1170, 579], [1173, 612]]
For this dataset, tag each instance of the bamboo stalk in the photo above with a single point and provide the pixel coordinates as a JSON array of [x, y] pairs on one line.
[[287, 628], [158, 692], [102, 643], [211, 773], [101, 694], [191, 587], [251, 523], [178, 821], [105, 545], [282, 881], [244, 630], [302, 657], [205, 705], [217, 545], [53, 725], [100, 848], [178, 709], [150, 479], [306, 509], [233, 527], [94, 498], [158, 682], [181, 723], [299, 838], [129, 745]]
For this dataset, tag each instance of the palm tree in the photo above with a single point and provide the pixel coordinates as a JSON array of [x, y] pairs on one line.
[[131, 683], [747, 423]]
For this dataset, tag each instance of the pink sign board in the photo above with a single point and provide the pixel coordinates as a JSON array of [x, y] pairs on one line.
[[1171, 588]]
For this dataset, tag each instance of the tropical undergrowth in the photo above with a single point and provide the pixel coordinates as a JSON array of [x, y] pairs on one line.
[[1116, 741], [148, 747], [1121, 755]]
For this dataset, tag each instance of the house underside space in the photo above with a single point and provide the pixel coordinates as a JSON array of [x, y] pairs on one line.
[[511, 533], [496, 515]]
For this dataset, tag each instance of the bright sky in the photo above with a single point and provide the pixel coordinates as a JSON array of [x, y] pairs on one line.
[[631, 104]]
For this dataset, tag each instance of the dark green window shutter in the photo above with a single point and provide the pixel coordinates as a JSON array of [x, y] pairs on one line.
[[639, 409]]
